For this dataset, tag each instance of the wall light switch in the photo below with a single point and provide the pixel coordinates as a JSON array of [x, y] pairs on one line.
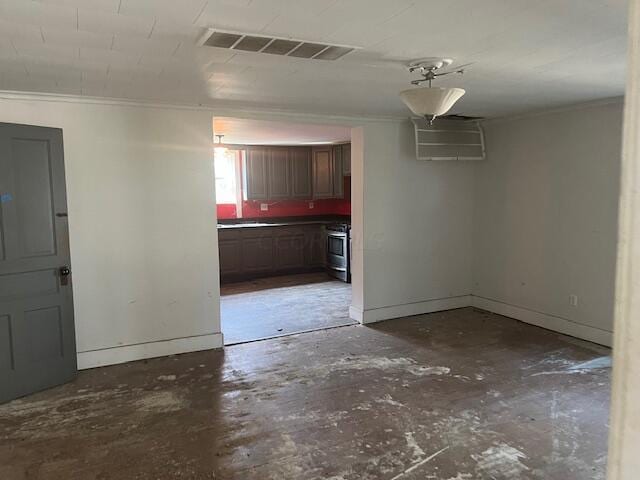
[[573, 300], [264, 207], [311, 205]]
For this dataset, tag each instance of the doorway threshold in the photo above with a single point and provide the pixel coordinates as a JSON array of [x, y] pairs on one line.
[[289, 334]]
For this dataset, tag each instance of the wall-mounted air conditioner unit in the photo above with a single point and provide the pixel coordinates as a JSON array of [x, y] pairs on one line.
[[449, 139]]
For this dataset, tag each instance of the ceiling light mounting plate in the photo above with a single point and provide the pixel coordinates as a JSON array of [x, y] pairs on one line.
[[431, 63]]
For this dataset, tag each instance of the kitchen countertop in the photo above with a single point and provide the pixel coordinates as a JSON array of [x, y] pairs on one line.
[[281, 222]]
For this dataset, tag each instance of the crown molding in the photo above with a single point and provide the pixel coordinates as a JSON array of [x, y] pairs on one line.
[[216, 108], [550, 111]]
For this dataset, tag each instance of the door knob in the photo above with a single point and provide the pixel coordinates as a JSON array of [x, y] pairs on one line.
[[64, 272]]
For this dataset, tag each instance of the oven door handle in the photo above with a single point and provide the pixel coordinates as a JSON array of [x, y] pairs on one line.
[[337, 235]]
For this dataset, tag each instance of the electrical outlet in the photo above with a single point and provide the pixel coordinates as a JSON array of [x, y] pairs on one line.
[[264, 207], [573, 300], [311, 205]]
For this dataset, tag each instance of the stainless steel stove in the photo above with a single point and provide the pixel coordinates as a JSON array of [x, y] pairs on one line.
[[339, 251]]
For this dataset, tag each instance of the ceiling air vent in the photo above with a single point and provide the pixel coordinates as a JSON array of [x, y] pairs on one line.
[[222, 40], [251, 44], [273, 45], [308, 50]]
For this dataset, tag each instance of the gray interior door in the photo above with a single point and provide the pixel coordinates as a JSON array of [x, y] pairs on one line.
[[37, 336]]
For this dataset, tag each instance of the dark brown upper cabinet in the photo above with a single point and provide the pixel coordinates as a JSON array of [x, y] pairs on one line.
[[255, 171], [338, 176], [346, 159], [279, 174], [323, 172], [300, 172]]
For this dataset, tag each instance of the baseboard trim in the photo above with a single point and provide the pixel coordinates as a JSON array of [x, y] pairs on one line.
[[550, 322], [416, 308], [356, 313], [141, 351]]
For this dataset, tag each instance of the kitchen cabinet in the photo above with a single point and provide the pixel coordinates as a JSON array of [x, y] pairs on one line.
[[257, 251], [230, 254], [290, 246], [300, 160], [337, 173], [346, 159], [255, 173], [254, 252], [322, 163], [327, 173], [279, 173], [283, 173], [317, 247]]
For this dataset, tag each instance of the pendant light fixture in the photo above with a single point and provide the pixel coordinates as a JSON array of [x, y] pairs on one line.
[[220, 149], [431, 102]]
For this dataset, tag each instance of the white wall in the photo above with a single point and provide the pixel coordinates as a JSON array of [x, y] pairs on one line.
[[417, 227], [142, 218], [515, 234], [411, 220], [624, 433], [142, 223], [545, 219]]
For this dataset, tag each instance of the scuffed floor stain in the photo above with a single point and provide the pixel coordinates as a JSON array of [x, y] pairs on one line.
[[385, 364], [161, 402], [403, 399], [419, 464], [417, 452], [388, 400], [602, 362], [580, 368], [501, 461]]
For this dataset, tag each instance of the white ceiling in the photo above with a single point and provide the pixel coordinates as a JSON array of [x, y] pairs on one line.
[[260, 132], [528, 54]]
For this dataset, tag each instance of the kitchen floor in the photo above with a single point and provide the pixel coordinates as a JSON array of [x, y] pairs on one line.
[[457, 395], [275, 306]]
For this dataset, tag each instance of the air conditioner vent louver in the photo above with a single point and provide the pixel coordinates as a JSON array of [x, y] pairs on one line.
[[308, 50], [333, 53], [251, 44], [273, 45], [222, 40], [449, 139], [280, 47]]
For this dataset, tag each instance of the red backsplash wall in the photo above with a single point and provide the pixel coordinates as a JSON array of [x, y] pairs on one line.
[[292, 208], [226, 210]]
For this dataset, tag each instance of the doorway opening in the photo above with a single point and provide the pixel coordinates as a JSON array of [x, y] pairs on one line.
[[283, 195]]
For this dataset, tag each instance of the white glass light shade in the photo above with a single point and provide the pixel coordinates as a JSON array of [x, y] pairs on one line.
[[431, 101]]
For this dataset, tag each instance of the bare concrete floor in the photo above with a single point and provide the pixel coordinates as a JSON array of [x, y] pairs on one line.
[[275, 306], [455, 395]]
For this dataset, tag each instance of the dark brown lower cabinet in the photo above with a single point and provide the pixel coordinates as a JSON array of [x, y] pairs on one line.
[[230, 256], [290, 250], [317, 248], [253, 252]]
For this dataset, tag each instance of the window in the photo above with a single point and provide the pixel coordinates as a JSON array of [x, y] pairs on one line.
[[225, 164]]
